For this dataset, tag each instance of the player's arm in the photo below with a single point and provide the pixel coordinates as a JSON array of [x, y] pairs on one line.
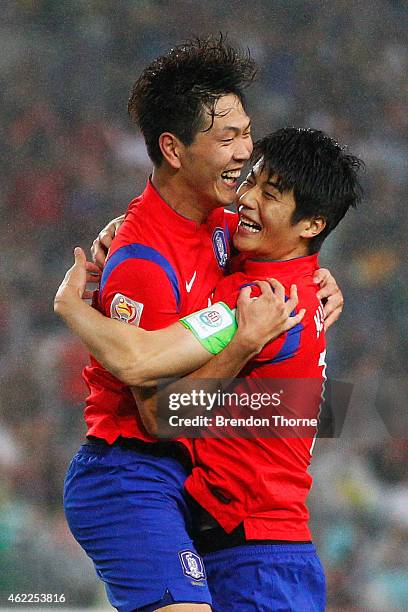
[[259, 321], [139, 357], [130, 353]]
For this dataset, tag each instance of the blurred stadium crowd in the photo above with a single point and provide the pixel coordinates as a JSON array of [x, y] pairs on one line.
[[71, 161]]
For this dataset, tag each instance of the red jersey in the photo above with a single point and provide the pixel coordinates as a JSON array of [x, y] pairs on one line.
[[263, 483], [161, 266]]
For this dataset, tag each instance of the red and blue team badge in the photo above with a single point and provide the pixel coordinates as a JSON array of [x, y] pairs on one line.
[[192, 565], [220, 246], [126, 310]]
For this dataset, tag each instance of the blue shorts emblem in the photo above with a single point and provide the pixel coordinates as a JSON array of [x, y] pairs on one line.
[[192, 565]]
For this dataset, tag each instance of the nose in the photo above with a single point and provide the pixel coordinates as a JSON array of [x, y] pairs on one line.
[[248, 200], [243, 149]]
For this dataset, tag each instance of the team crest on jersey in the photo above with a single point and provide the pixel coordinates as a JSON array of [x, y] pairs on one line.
[[211, 318], [126, 310], [192, 565], [220, 246]]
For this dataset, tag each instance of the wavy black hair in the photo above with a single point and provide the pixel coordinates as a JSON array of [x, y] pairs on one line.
[[174, 93], [322, 174]]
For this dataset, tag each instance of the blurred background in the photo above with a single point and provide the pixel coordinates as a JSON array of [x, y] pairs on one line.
[[71, 160]]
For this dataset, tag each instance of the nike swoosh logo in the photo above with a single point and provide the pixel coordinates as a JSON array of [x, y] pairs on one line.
[[190, 284]]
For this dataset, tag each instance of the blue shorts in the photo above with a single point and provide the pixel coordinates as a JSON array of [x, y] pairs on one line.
[[266, 578], [128, 512]]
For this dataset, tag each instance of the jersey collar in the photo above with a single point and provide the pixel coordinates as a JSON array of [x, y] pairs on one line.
[[165, 212], [299, 265]]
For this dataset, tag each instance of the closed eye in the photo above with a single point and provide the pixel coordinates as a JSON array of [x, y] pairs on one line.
[[269, 196]]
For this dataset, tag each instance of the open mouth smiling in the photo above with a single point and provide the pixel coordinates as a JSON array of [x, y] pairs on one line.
[[249, 226], [231, 177]]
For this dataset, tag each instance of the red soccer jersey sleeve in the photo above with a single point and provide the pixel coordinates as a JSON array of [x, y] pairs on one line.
[[139, 292]]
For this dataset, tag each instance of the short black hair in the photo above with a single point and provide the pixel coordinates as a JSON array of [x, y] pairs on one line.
[[322, 175], [173, 93]]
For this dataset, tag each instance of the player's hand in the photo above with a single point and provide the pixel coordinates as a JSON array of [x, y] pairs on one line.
[[265, 318], [331, 296], [101, 244], [76, 279]]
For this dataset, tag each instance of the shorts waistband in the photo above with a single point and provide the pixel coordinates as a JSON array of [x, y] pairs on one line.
[[215, 538], [253, 548], [172, 450]]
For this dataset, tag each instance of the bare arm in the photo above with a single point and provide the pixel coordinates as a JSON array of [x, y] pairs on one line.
[[259, 322], [132, 354], [139, 357]]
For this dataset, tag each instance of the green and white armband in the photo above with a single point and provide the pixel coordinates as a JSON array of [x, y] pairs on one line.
[[214, 327]]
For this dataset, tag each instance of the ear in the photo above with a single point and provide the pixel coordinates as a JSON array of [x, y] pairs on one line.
[[170, 147], [313, 227]]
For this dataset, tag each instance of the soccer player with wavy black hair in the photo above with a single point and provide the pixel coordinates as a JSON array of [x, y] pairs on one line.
[[189, 106], [256, 546], [179, 91], [123, 495]]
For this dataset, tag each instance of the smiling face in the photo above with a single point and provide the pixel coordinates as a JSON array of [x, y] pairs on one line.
[[266, 230], [212, 164]]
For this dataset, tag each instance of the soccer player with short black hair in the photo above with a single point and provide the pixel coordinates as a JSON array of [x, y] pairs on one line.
[[123, 495], [301, 185], [178, 92]]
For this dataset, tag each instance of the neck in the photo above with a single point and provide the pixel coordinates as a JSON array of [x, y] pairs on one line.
[[178, 196]]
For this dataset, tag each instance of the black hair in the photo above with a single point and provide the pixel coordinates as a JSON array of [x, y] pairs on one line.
[[322, 175], [174, 93]]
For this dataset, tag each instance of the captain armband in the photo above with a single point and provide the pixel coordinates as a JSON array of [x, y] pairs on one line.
[[214, 327]]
